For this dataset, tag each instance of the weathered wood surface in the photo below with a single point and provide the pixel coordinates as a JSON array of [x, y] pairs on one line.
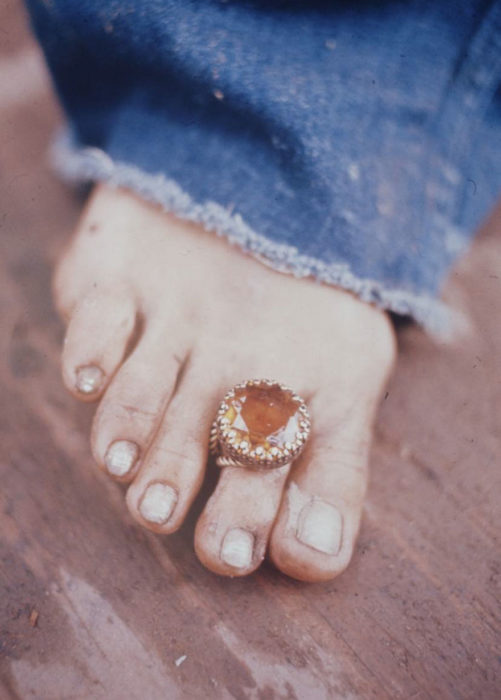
[[91, 606]]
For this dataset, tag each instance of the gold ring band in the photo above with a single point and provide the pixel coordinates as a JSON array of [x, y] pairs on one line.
[[259, 424]]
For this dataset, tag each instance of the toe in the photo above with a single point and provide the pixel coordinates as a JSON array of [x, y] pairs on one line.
[[172, 470], [132, 408], [318, 522], [96, 340], [233, 531]]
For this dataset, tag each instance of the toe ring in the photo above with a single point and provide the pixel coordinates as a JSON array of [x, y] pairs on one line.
[[260, 424]]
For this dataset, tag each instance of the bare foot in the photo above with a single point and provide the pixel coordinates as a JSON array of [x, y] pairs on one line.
[[201, 316]]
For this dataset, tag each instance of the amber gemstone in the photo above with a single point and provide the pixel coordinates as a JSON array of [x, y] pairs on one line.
[[263, 416]]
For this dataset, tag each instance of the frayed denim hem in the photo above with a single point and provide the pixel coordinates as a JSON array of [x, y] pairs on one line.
[[77, 164]]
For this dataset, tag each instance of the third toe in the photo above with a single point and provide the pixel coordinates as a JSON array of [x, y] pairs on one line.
[[171, 473]]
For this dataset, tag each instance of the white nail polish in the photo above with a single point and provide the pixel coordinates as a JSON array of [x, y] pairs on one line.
[[88, 379], [237, 548], [320, 526], [121, 456], [158, 502]]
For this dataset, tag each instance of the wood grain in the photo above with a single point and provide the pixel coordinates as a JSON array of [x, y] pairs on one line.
[[91, 606]]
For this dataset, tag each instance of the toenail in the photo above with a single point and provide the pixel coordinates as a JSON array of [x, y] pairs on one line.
[[158, 502], [121, 456], [320, 526], [237, 548], [89, 379]]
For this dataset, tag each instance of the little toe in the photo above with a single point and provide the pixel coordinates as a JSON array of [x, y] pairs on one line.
[[98, 333], [318, 522], [132, 408], [172, 471], [233, 531]]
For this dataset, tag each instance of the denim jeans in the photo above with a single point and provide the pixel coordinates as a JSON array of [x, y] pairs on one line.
[[355, 142]]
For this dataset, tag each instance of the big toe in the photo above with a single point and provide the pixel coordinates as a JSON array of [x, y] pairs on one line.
[[318, 522]]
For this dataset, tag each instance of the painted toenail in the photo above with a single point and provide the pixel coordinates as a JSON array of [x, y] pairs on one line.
[[89, 379], [158, 502], [121, 456], [237, 548], [320, 526]]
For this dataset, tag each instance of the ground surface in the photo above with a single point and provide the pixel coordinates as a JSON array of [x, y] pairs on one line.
[[91, 606]]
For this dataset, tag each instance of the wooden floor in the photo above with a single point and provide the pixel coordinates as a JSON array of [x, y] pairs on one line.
[[91, 606]]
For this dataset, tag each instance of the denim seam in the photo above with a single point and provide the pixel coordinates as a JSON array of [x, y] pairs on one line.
[[75, 163]]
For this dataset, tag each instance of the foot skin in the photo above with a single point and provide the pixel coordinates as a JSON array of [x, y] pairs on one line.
[[163, 318]]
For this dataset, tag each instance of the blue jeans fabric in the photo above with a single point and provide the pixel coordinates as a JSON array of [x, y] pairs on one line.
[[355, 142]]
